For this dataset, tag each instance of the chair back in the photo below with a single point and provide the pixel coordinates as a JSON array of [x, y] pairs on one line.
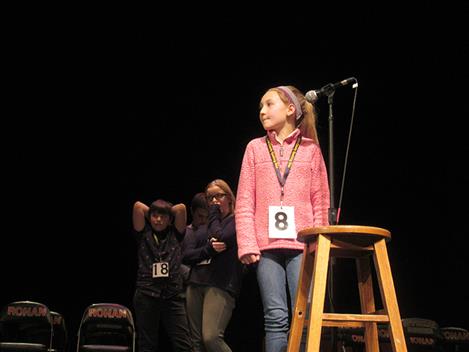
[[59, 338], [106, 327], [454, 339], [25, 326], [421, 334]]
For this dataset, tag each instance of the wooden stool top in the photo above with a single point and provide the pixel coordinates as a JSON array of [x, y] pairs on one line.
[[354, 234]]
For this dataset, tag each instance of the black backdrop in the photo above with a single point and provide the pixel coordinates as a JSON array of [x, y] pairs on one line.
[[107, 107]]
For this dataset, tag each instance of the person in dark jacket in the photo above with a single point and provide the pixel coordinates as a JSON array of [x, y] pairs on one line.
[[216, 275], [199, 215]]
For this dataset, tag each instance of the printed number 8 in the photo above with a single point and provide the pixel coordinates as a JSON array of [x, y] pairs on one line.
[[281, 221], [164, 269]]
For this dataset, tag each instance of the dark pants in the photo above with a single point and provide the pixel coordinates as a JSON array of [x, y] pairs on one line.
[[150, 311]]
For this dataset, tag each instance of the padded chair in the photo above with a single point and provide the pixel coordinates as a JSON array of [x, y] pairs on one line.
[[25, 326], [59, 338], [106, 327]]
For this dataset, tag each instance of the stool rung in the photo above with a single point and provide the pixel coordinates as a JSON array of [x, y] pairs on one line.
[[372, 318], [343, 324], [340, 324]]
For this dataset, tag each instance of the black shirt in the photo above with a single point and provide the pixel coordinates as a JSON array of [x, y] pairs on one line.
[[155, 247]]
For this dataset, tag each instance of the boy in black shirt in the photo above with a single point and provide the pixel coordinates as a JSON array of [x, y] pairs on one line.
[[159, 230]]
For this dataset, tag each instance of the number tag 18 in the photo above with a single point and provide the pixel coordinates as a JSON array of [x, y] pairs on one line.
[[282, 222], [160, 269]]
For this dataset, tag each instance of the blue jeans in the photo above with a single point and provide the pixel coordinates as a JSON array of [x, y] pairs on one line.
[[278, 271]]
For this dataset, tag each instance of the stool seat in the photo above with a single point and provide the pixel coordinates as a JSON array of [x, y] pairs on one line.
[[353, 234], [345, 241]]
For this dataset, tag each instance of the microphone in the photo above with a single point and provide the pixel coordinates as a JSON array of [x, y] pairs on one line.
[[314, 95]]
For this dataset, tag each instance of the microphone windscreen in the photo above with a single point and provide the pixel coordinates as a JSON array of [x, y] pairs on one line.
[[311, 96]]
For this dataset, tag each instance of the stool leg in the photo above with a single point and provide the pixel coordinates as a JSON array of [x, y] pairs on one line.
[[321, 263], [304, 285], [389, 298], [367, 301]]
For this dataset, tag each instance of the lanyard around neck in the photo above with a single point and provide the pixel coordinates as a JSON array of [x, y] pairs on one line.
[[282, 180]]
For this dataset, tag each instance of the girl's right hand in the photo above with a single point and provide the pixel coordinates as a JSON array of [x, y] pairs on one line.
[[250, 258]]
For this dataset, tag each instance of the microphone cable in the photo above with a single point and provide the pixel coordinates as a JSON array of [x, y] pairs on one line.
[[355, 85], [331, 266]]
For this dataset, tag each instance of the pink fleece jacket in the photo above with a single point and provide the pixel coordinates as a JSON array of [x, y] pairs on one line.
[[306, 189]]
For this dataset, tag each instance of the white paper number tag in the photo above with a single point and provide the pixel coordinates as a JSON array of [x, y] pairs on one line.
[[160, 269], [282, 222], [205, 261]]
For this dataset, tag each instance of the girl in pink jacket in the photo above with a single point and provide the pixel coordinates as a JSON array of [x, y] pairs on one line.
[[283, 188]]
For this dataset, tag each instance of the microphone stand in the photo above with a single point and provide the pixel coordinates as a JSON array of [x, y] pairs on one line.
[[329, 91], [332, 213]]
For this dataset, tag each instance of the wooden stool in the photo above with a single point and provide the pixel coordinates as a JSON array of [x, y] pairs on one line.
[[345, 241]]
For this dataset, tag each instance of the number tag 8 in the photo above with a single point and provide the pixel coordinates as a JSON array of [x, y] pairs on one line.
[[282, 222]]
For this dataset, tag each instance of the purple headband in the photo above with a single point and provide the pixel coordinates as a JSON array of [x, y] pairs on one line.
[[292, 99]]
